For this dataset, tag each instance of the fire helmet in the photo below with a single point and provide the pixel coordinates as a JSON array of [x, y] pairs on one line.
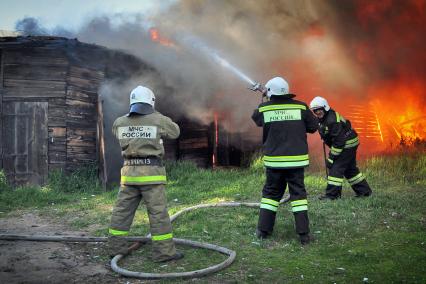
[[142, 100], [319, 102], [142, 94], [277, 87]]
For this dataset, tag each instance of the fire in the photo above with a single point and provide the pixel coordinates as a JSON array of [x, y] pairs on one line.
[[400, 111], [156, 37], [216, 138]]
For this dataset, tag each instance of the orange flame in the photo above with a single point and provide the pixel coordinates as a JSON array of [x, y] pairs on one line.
[[404, 115], [156, 37]]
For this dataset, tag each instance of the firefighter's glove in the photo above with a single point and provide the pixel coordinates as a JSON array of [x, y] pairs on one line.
[[329, 163]]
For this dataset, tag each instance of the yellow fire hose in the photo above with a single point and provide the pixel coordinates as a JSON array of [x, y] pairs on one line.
[[144, 275]]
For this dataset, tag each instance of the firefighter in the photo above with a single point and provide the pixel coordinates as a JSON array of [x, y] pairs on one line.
[[338, 135], [285, 123], [143, 175]]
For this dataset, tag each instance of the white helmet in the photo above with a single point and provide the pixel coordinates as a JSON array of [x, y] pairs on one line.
[[142, 95], [319, 102], [277, 87]]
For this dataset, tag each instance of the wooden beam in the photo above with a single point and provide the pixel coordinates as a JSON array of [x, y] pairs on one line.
[[100, 146], [1, 107]]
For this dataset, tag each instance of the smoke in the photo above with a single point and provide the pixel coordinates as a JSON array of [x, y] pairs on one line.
[[30, 26], [342, 50]]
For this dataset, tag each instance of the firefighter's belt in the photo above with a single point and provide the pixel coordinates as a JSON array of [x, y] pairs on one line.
[[150, 161]]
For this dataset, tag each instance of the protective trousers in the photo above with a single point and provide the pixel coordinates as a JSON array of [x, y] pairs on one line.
[[273, 191], [154, 197], [345, 166]]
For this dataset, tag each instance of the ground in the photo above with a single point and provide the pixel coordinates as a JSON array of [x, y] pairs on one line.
[[48, 262]]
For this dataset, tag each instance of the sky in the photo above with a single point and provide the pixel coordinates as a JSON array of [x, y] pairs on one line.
[[70, 14]]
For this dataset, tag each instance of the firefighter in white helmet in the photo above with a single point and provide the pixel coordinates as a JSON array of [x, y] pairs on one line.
[[143, 176], [285, 122], [342, 139]]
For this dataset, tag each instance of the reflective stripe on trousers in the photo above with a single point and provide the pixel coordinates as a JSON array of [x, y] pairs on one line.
[[269, 204], [299, 205], [118, 232], [356, 179], [335, 181], [163, 237]]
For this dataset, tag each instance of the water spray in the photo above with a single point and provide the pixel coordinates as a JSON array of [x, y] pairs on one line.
[[197, 44]]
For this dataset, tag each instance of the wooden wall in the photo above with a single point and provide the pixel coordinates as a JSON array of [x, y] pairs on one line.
[[34, 79], [39, 73], [194, 143], [81, 116]]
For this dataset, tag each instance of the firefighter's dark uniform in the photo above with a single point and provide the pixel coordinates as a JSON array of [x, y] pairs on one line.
[[337, 133], [143, 177], [285, 123]]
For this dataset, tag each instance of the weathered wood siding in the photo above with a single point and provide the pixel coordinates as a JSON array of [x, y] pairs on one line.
[[34, 73], [81, 116], [193, 143], [49, 72], [25, 143]]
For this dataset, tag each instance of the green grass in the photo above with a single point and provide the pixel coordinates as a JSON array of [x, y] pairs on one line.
[[382, 238]]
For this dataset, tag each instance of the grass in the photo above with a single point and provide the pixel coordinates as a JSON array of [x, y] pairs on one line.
[[381, 238]]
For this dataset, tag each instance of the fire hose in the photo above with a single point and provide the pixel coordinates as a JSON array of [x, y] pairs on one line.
[[142, 240]]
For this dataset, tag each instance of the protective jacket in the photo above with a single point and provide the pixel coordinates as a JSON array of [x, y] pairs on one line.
[[285, 123], [141, 140], [343, 141], [337, 134]]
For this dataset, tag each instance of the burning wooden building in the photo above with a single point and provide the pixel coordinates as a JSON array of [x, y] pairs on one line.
[[52, 116]]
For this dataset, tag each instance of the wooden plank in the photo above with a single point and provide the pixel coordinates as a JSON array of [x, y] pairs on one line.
[[36, 56], [78, 95], [40, 163], [57, 112], [22, 92], [57, 132], [35, 72], [9, 148], [194, 143], [100, 150], [85, 73], [44, 84], [84, 84], [1, 107], [81, 104]]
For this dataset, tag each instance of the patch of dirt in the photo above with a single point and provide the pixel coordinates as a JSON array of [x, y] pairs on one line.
[[51, 262]]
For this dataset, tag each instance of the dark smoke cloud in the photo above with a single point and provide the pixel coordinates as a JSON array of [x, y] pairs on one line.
[[329, 48], [31, 26]]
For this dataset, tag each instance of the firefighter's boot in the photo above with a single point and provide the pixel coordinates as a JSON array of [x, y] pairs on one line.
[[305, 239], [178, 255], [262, 234], [117, 245]]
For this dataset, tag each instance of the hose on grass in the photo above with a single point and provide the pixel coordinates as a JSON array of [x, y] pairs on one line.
[[146, 275]]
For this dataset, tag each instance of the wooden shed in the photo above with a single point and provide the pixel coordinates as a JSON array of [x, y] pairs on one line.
[[49, 105], [52, 116]]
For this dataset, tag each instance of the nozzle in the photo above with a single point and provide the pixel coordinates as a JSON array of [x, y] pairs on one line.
[[257, 87]]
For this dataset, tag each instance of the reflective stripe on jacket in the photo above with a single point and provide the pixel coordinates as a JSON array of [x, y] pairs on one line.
[[285, 123]]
